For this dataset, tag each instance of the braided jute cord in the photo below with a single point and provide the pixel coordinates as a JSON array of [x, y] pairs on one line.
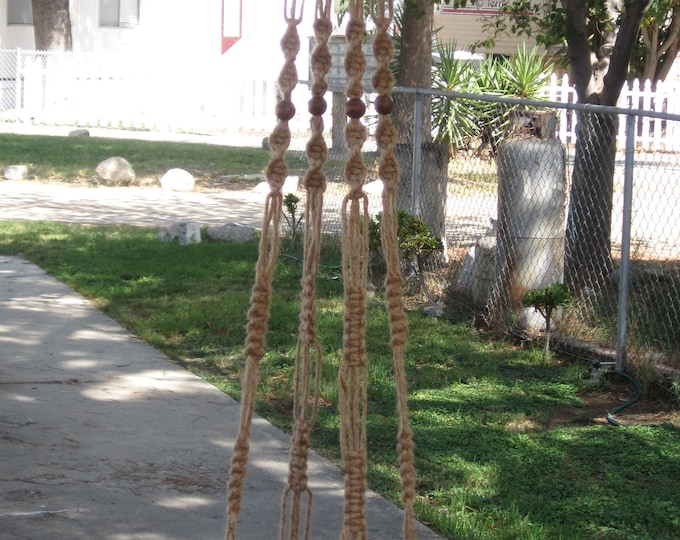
[[382, 13], [308, 352], [353, 374], [260, 300]]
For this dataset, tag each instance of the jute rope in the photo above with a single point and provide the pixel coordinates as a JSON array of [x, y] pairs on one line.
[[308, 352], [260, 300], [353, 374], [382, 13]]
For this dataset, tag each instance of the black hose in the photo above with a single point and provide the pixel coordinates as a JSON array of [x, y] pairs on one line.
[[610, 415]]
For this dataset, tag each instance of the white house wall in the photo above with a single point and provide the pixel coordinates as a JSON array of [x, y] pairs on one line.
[[11, 37], [179, 33], [467, 29]]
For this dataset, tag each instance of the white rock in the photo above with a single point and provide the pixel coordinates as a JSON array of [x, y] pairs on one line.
[[16, 172], [231, 232], [261, 188], [290, 185], [532, 319], [116, 170], [185, 233], [178, 180], [375, 187], [433, 310]]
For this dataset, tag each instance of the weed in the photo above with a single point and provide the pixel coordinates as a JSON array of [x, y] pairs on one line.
[[292, 217]]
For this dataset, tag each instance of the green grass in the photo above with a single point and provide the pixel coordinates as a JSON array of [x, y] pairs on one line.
[[75, 158], [491, 463]]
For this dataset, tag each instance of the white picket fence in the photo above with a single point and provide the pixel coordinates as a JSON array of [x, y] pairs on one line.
[[652, 134], [92, 90]]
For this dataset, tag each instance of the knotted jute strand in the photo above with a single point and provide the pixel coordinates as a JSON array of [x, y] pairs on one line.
[[260, 299], [308, 351], [353, 373], [382, 13]]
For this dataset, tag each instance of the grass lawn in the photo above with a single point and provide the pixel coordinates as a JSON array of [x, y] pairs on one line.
[[493, 460], [74, 159]]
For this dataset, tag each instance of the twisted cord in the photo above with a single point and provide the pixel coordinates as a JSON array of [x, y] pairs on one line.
[[308, 351], [260, 300], [353, 375], [382, 13]]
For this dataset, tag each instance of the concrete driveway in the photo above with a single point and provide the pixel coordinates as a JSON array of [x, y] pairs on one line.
[[101, 436], [143, 206]]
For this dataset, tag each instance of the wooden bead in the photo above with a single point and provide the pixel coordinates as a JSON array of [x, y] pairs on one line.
[[285, 110], [355, 108], [384, 104], [316, 106]]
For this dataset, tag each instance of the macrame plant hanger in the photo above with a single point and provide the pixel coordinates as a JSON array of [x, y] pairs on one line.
[[353, 375]]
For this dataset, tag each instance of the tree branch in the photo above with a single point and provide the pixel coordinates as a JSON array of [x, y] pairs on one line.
[[578, 49], [631, 18]]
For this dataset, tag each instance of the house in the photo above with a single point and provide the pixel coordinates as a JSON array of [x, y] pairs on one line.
[[213, 61], [243, 35], [467, 26]]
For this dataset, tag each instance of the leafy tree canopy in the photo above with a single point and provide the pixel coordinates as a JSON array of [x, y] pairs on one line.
[[657, 43]]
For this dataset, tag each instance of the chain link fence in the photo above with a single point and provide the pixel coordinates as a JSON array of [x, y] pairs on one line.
[[520, 209]]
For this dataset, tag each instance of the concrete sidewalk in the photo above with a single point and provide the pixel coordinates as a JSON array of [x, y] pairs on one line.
[[146, 207], [102, 437]]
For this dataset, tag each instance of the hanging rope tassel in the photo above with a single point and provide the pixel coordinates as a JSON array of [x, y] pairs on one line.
[[382, 13], [353, 374], [308, 352], [260, 300]]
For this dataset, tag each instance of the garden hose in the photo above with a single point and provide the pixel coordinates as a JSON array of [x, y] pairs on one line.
[[325, 267], [610, 415]]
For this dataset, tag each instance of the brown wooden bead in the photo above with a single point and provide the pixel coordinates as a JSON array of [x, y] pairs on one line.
[[384, 104], [316, 106], [355, 108], [285, 110]]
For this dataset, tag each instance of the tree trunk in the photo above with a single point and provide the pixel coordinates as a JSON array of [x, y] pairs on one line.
[[588, 261], [598, 79], [52, 25], [415, 66], [415, 71]]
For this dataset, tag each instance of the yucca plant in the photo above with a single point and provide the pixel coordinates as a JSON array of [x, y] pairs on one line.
[[525, 74], [455, 121]]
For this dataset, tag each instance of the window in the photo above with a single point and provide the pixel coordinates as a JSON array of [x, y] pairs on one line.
[[19, 12], [122, 13]]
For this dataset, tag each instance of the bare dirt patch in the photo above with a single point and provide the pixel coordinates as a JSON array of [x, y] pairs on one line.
[[652, 410]]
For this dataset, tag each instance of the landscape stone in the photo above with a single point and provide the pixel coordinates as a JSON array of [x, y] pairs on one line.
[[290, 185], [433, 310], [188, 232], [115, 171], [79, 133], [16, 172], [178, 180], [374, 188], [532, 319], [231, 232]]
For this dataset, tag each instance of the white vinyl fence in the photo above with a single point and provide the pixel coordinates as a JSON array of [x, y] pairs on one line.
[[92, 90]]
